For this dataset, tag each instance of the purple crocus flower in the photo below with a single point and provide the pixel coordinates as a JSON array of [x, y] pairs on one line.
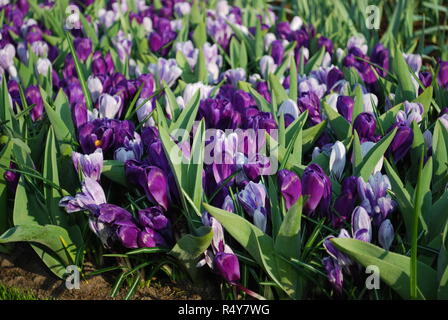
[[442, 76], [290, 187], [317, 186], [327, 43], [102, 66], [32, 94], [219, 257], [345, 105], [380, 56], [365, 125], [346, 201], [263, 89], [334, 272], [165, 71], [277, 51], [89, 165], [79, 114], [90, 197], [374, 197], [402, 142], [426, 78], [253, 198], [311, 102], [12, 177], [361, 225], [413, 111], [106, 134], [386, 234], [151, 179], [83, 47], [227, 265]]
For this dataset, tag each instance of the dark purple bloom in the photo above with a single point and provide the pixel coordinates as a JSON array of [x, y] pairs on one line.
[[442, 76], [79, 114], [365, 125], [153, 218], [227, 265], [355, 58], [219, 113], [263, 89], [151, 179], [334, 272], [380, 56], [242, 100], [426, 78], [345, 106], [333, 77], [106, 134], [83, 47], [32, 94], [346, 201], [277, 51], [327, 43], [102, 65], [290, 187], [402, 142], [311, 102], [12, 177], [317, 186]]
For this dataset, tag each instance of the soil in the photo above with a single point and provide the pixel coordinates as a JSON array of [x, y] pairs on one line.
[[24, 270]]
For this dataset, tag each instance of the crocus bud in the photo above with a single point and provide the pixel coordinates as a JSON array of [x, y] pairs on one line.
[[386, 234], [32, 94], [289, 107], [345, 203], [337, 159], [227, 265], [296, 23], [165, 71], [402, 141], [122, 154], [361, 225], [109, 105], [317, 186], [365, 125], [95, 87], [277, 51], [7, 56], [414, 61], [83, 47], [426, 78], [182, 8], [228, 204], [345, 106], [334, 272], [269, 38], [43, 66], [267, 65], [290, 187], [89, 165], [442, 76]]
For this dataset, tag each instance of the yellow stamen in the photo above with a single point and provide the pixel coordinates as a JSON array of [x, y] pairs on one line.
[[98, 143]]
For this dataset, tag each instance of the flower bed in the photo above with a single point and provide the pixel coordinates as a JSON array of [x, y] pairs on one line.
[[256, 145]]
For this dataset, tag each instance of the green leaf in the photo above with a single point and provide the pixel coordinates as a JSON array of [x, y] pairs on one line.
[[50, 236], [340, 126], [315, 61], [260, 246], [359, 103], [288, 241], [5, 156], [293, 79], [311, 134], [440, 153], [114, 170], [277, 89], [375, 154], [190, 247], [394, 268], [401, 70]]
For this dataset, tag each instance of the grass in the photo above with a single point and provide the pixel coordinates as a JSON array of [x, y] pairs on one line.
[[11, 293]]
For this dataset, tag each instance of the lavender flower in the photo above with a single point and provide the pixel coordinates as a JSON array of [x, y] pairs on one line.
[[165, 71]]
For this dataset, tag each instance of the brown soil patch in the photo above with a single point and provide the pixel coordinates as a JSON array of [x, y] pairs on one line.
[[23, 270]]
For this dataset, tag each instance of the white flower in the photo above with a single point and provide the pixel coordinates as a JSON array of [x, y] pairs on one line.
[[296, 23], [268, 39], [122, 154], [370, 101], [109, 106], [43, 66], [290, 107], [95, 87], [267, 65], [191, 89], [337, 159]]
